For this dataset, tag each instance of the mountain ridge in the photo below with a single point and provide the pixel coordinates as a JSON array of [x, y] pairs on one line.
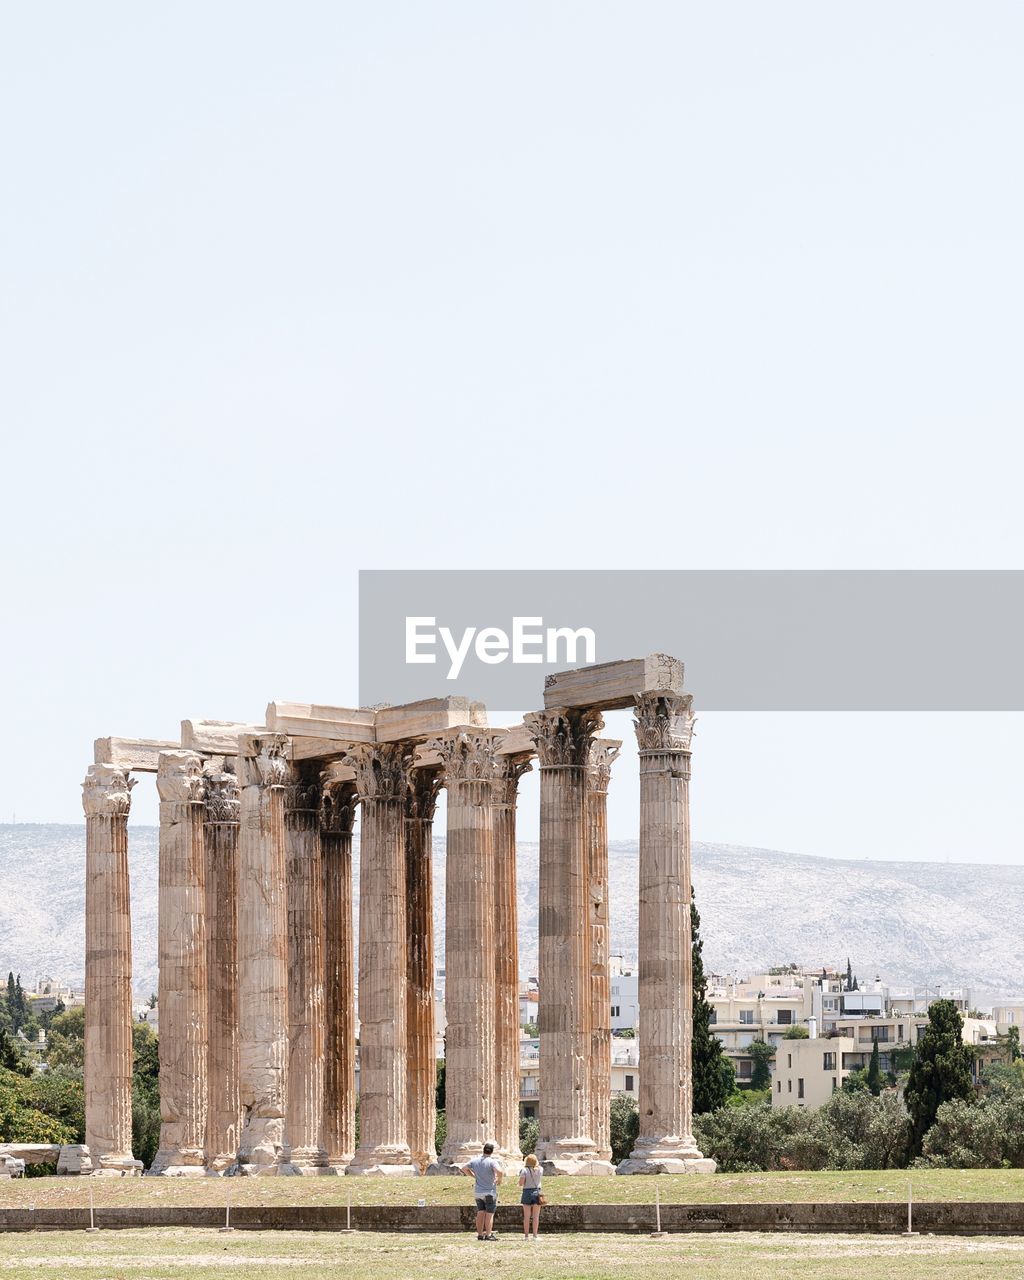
[[913, 923]]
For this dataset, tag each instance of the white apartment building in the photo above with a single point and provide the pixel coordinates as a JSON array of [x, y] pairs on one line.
[[625, 1073], [624, 985]]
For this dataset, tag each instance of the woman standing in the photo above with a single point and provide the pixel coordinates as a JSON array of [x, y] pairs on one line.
[[530, 1180]]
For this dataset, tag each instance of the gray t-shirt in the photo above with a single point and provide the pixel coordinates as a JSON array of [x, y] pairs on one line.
[[485, 1176]]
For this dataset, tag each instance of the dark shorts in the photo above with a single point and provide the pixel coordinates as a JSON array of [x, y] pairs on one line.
[[531, 1195], [486, 1204]]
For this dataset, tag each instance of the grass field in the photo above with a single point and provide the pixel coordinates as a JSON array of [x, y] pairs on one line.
[[206, 1255], [873, 1187]]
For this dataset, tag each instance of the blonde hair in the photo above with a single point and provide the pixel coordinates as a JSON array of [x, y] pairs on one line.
[[531, 1161]]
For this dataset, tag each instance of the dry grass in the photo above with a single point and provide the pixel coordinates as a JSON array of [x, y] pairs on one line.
[[872, 1187], [206, 1255]]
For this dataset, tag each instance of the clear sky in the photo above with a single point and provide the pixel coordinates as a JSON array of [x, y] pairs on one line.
[[292, 290]]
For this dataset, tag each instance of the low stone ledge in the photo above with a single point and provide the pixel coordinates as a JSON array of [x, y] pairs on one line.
[[938, 1217]]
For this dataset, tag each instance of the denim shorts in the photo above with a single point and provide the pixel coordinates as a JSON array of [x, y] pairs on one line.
[[486, 1204], [531, 1195]]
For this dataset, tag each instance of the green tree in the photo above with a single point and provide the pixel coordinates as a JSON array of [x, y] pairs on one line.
[[709, 1091], [529, 1132], [440, 1131], [856, 1081], [625, 1126], [65, 1043], [762, 1053], [532, 1030], [941, 1071], [728, 1071], [796, 1032], [439, 1090], [874, 1080]]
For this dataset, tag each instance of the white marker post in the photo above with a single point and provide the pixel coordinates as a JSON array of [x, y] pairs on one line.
[[657, 1233], [910, 1211], [227, 1210], [92, 1213], [346, 1230]]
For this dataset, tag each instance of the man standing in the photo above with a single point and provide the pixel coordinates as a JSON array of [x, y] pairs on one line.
[[487, 1174]]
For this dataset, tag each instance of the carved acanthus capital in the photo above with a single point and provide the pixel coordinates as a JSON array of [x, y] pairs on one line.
[[563, 735], [106, 792], [424, 788], [466, 756], [303, 794], [507, 772], [222, 803], [264, 762], [602, 755], [179, 778], [382, 770], [337, 808], [664, 721]]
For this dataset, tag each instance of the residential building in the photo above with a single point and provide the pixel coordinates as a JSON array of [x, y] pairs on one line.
[[808, 1072], [624, 986]]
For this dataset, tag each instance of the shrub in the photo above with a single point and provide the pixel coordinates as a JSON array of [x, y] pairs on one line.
[[965, 1135], [625, 1127]]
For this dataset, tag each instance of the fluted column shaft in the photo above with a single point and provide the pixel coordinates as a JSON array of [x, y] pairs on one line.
[[262, 952], [420, 1030], [220, 836], [505, 793], [381, 783], [306, 1021], [468, 761], [337, 816], [563, 742], [184, 1030], [664, 726], [602, 753], [108, 970]]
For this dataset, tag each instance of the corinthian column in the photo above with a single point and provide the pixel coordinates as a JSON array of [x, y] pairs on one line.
[[304, 1121], [419, 828], [505, 793], [182, 953], [468, 760], [337, 815], [382, 778], [603, 752], [563, 745], [262, 953], [220, 832], [106, 799], [664, 731]]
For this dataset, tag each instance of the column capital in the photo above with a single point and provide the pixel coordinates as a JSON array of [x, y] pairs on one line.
[[337, 807], [303, 795], [421, 797], [505, 783], [381, 769], [263, 759], [602, 755], [179, 778], [563, 735], [466, 755], [222, 803], [664, 722], [106, 791]]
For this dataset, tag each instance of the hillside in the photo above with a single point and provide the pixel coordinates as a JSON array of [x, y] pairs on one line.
[[944, 924]]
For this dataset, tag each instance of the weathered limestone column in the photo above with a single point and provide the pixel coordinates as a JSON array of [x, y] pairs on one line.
[[664, 730], [337, 816], [220, 832], [505, 793], [563, 740], [469, 762], [304, 1119], [603, 753], [262, 953], [420, 1031], [382, 779], [106, 798], [184, 1031]]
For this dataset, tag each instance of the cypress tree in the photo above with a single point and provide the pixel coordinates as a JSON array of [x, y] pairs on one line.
[[941, 1071], [875, 1071], [709, 1080]]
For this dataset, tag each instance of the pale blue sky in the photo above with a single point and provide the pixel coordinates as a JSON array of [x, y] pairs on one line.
[[289, 291]]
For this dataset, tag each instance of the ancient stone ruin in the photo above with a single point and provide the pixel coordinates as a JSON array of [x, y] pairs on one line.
[[258, 980]]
